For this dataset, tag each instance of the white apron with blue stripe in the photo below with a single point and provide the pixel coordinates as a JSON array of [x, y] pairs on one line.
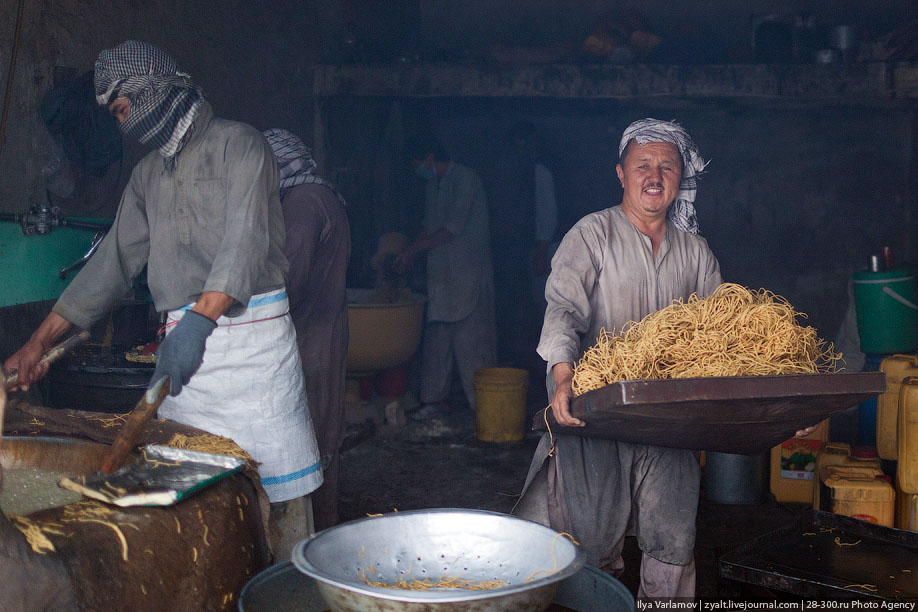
[[250, 389]]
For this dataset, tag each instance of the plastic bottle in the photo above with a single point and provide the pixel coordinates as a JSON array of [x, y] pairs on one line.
[[831, 453], [861, 497], [907, 436], [793, 466], [897, 369], [865, 455], [906, 510]]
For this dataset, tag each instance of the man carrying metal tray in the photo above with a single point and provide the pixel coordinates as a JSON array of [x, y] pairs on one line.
[[614, 266]]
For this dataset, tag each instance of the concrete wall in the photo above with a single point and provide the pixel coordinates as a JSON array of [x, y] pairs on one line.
[[251, 58], [716, 27], [795, 199]]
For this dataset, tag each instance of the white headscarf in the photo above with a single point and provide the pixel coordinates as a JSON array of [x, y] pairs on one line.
[[682, 210]]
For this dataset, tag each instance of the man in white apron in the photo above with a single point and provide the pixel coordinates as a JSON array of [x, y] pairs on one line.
[[202, 213]]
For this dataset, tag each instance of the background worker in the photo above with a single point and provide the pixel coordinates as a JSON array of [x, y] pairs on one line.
[[318, 247], [614, 266], [202, 213], [460, 325]]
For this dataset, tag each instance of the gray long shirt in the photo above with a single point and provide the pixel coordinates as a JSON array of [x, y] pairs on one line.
[[458, 269], [604, 274], [213, 223]]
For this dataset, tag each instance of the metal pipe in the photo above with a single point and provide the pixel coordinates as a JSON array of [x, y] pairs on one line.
[[96, 241], [52, 220], [86, 224]]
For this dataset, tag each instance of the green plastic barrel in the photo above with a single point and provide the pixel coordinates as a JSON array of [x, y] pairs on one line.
[[887, 311]]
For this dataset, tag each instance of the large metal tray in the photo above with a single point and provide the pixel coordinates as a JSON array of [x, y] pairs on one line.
[[739, 414], [829, 556]]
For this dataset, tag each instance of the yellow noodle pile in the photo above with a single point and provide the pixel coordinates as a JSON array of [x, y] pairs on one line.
[[208, 443], [444, 582], [454, 582], [733, 332]]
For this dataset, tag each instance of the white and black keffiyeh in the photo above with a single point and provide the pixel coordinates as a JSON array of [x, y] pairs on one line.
[[294, 161], [682, 210], [163, 100]]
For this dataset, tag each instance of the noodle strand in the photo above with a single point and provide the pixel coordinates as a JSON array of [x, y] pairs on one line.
[[733, 332]]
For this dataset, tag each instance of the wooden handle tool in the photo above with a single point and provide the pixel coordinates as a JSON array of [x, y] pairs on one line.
[[11, 378], [144, 410]]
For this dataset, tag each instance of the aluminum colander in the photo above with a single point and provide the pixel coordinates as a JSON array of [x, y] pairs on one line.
[[472, 545]]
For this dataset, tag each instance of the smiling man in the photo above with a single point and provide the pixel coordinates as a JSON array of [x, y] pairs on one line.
[[614, 266]]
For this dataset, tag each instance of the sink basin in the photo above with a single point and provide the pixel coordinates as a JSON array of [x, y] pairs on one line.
[[382, 335], [32, 467]]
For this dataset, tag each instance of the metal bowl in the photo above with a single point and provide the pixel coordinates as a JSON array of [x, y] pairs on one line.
[[283, 588], [473, 545]]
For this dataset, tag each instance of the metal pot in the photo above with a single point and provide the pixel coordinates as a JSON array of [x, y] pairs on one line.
[[472, 545], [98, 379], [283, 588]]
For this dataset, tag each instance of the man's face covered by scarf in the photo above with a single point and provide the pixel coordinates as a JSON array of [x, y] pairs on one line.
[[163, 100]]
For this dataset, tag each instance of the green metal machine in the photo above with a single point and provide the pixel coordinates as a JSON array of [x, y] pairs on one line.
[[37, 263]]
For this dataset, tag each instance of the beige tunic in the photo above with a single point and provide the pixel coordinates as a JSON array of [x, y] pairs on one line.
[[458, 269], [213, 223], [603, 275], [318, 248]]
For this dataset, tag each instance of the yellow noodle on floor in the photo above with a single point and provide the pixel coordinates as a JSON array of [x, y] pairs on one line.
[[733, 332]]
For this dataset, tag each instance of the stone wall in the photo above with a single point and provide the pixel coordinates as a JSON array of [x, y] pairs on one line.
[[251, 59], [702, 29], [795, 199]]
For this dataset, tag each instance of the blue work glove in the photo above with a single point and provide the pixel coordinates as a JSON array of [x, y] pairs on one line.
[[180, 354]]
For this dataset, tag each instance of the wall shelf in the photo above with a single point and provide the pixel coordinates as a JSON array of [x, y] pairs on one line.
[[859, 84]]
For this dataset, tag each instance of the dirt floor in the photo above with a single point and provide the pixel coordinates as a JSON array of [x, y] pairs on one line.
[[441, 463]]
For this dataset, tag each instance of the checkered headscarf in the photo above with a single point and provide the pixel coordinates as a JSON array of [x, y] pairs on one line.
[[163, 100], [682, 210], [294, 161]]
